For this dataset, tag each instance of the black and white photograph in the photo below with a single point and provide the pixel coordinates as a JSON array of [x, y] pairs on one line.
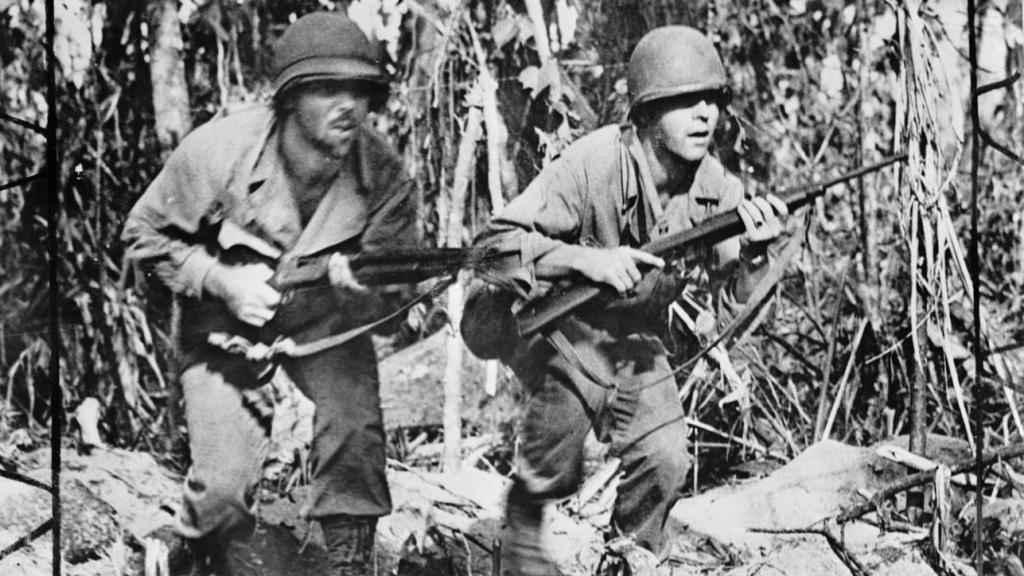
[[511, 287]]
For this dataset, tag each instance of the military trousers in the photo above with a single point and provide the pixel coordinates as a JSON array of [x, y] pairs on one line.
[[624, 389], [228, 439]]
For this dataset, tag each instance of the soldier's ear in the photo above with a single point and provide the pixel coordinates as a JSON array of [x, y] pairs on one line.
[[642, 116], [724, 97]]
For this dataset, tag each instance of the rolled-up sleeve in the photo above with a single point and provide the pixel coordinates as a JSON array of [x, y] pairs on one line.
[[161, 228], [732, 280]]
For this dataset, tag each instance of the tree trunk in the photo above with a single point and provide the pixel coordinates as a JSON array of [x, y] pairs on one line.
[[171, 109], [173, 118]]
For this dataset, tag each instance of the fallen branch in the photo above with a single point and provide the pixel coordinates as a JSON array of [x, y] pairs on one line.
[[837, 546], [922, 478], [920, 463]]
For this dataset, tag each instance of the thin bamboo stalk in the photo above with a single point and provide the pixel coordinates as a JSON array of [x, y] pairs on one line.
[[846, 377], [464, 168], [948, 354], [540, 31], [496, 135], [918, 396]]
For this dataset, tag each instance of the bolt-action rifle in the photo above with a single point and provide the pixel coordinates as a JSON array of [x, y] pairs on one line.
[[371, 268], [563, 299]]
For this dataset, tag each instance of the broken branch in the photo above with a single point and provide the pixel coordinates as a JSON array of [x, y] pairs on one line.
[[922, 478]]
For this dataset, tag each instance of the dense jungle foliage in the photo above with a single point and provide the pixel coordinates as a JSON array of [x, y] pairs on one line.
[[875, 301]]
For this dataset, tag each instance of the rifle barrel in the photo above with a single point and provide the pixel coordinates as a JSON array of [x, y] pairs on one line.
[[561, 301]]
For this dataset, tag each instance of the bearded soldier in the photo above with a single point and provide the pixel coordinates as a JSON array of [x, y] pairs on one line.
[[606, 368], [304, 176]]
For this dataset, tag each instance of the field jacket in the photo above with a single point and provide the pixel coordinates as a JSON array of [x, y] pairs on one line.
[[230, 170], [599, 193]]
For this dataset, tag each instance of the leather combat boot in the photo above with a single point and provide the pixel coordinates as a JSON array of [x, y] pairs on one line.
[[228, 557], [525, 553], [349, 541]]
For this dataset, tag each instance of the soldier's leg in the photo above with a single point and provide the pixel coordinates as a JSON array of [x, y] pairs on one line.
[[349, 484], [228, 443], [556, 419], [655, 460]]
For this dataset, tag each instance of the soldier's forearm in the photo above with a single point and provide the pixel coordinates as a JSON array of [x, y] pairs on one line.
[[559, 262]]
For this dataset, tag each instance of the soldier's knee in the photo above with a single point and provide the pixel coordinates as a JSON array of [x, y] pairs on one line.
[[671, 462], [221, 508]]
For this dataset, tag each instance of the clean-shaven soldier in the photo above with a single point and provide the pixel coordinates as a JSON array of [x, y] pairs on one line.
[[606, 368]]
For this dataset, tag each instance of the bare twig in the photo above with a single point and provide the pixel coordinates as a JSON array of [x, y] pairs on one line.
[[27, 539], [837, 546], [23, 123], [999, 147], [22, 181], [25, 480], [1004, 83]]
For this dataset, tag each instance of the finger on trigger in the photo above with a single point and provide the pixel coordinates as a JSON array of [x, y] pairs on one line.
[[647, 258]]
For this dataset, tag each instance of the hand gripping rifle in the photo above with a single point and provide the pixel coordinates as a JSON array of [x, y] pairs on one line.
[[372, 268], [562, 300]]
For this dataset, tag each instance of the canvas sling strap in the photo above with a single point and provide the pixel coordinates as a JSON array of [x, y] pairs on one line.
[[286, 347]]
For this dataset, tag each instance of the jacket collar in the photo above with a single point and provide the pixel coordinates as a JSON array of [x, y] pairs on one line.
[[341, 214], [703, 188], [265, 158]]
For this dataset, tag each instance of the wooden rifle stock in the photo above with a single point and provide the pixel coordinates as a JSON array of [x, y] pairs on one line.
[[561, 301]]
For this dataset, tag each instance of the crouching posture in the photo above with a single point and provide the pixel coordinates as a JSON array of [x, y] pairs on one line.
[[305, 176], [605, 367]]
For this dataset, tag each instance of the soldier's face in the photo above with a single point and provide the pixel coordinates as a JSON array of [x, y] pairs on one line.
[[685, 124], [327, 113]]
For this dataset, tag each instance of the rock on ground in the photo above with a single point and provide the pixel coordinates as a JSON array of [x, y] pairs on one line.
[[819, 483]]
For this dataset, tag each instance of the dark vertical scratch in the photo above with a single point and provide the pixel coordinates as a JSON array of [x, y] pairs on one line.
[[975, 263], [53, 197]]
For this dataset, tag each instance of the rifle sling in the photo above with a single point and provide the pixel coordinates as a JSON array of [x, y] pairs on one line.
[[288, 348], [753, 306]]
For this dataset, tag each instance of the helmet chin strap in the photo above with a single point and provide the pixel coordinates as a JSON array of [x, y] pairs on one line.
[[668, 171]]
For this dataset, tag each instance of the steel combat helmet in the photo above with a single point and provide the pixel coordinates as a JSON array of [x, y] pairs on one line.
[[326, 45], [673, 60]]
